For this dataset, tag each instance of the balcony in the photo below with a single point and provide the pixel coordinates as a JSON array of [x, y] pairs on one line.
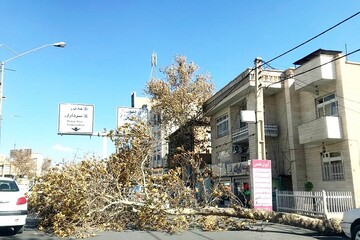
[[319, 130], [315, 76], [241, 134]]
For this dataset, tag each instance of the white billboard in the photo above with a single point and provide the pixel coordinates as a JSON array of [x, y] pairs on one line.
[[125, 113], [261, 184], [76, 119]]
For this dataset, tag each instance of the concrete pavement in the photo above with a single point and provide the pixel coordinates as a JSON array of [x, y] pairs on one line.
[[270, 232]]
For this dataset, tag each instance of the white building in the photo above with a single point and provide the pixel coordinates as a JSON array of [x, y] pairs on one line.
[[158, 159]]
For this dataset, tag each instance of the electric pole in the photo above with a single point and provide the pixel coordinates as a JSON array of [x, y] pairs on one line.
[[259, 112], [260, 168]]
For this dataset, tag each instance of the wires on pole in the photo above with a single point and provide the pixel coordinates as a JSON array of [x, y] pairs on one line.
[[309, 40], [234, 87]]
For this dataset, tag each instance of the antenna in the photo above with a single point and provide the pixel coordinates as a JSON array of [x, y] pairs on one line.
[[346, 58], [153, 65], [153, 59]]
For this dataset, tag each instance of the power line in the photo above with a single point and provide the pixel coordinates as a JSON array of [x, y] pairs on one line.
[[311, 69], [229, 91], [235, 86], [311, 86], [309, 40], [337, 96]]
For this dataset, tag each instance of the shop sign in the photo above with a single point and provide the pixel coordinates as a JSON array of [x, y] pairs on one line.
[[261, 184]]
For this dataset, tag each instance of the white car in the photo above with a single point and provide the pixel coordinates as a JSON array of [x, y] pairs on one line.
[[13, 205], [350, 224]]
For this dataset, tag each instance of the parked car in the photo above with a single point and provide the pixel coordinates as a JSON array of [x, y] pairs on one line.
[[13, 205], [350, 224]]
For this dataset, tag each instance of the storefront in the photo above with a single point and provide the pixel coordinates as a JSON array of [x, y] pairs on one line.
[[236, 176]]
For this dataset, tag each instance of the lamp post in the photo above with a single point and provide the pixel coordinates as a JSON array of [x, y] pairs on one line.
[[17, 55]]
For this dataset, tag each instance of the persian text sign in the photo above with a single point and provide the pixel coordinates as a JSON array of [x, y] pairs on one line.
[[76, 119], [261, 185], [125, 114]]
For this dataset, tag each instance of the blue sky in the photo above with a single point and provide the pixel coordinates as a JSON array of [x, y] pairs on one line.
[[110, 42]]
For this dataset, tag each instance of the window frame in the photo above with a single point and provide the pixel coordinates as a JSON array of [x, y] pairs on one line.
[[222, 122], [332, 166], [323, 103]]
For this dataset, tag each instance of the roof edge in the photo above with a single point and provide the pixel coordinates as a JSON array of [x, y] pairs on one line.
[[315, 54]]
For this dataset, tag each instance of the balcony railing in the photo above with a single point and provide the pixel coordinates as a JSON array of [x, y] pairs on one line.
[[271, 130], [240, 134]]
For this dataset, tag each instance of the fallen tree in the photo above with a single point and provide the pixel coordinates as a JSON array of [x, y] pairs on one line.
[[120, 193], [84, 198]]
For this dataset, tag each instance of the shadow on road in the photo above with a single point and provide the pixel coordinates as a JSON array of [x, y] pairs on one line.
[[6, 231]]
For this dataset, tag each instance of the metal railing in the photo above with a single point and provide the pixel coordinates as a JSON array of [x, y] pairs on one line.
[[271, 130], [317, 204]]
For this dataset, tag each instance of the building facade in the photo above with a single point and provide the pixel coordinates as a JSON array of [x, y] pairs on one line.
[[329, 104], [158, 158], [310, 116], [233, 140], [9, 169]]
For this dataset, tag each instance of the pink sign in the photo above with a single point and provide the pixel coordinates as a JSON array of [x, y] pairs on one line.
[[261, 184]]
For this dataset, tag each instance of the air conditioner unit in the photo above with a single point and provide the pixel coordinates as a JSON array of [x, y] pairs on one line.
[[237, 149]]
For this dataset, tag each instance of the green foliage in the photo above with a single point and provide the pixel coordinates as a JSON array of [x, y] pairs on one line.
[[308, 186]]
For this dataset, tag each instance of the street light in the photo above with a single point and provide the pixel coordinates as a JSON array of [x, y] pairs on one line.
[[17, 55]]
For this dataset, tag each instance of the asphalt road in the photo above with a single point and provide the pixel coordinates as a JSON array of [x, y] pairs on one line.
[[270, 232]]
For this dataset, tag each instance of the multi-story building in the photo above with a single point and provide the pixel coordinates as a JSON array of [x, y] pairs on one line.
[[329, 109], [232, 140], [310, 117], [158, 159]]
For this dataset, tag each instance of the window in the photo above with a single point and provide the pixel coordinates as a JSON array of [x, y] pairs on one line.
[[156, 118], [327, 106], [8, 186], [222, 126], [333, 168]]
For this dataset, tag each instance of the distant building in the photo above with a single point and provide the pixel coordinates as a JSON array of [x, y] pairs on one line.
[[140, 102], [158, 160], [8, 168], [38, 158]]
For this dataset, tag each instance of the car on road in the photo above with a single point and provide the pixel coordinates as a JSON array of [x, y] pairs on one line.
[[13, 205], [350, 224]]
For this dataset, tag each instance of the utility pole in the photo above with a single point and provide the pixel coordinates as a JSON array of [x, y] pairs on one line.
[[259, 111], [260, 168]]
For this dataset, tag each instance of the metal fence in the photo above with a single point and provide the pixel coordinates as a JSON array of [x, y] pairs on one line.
[[317, 204]]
